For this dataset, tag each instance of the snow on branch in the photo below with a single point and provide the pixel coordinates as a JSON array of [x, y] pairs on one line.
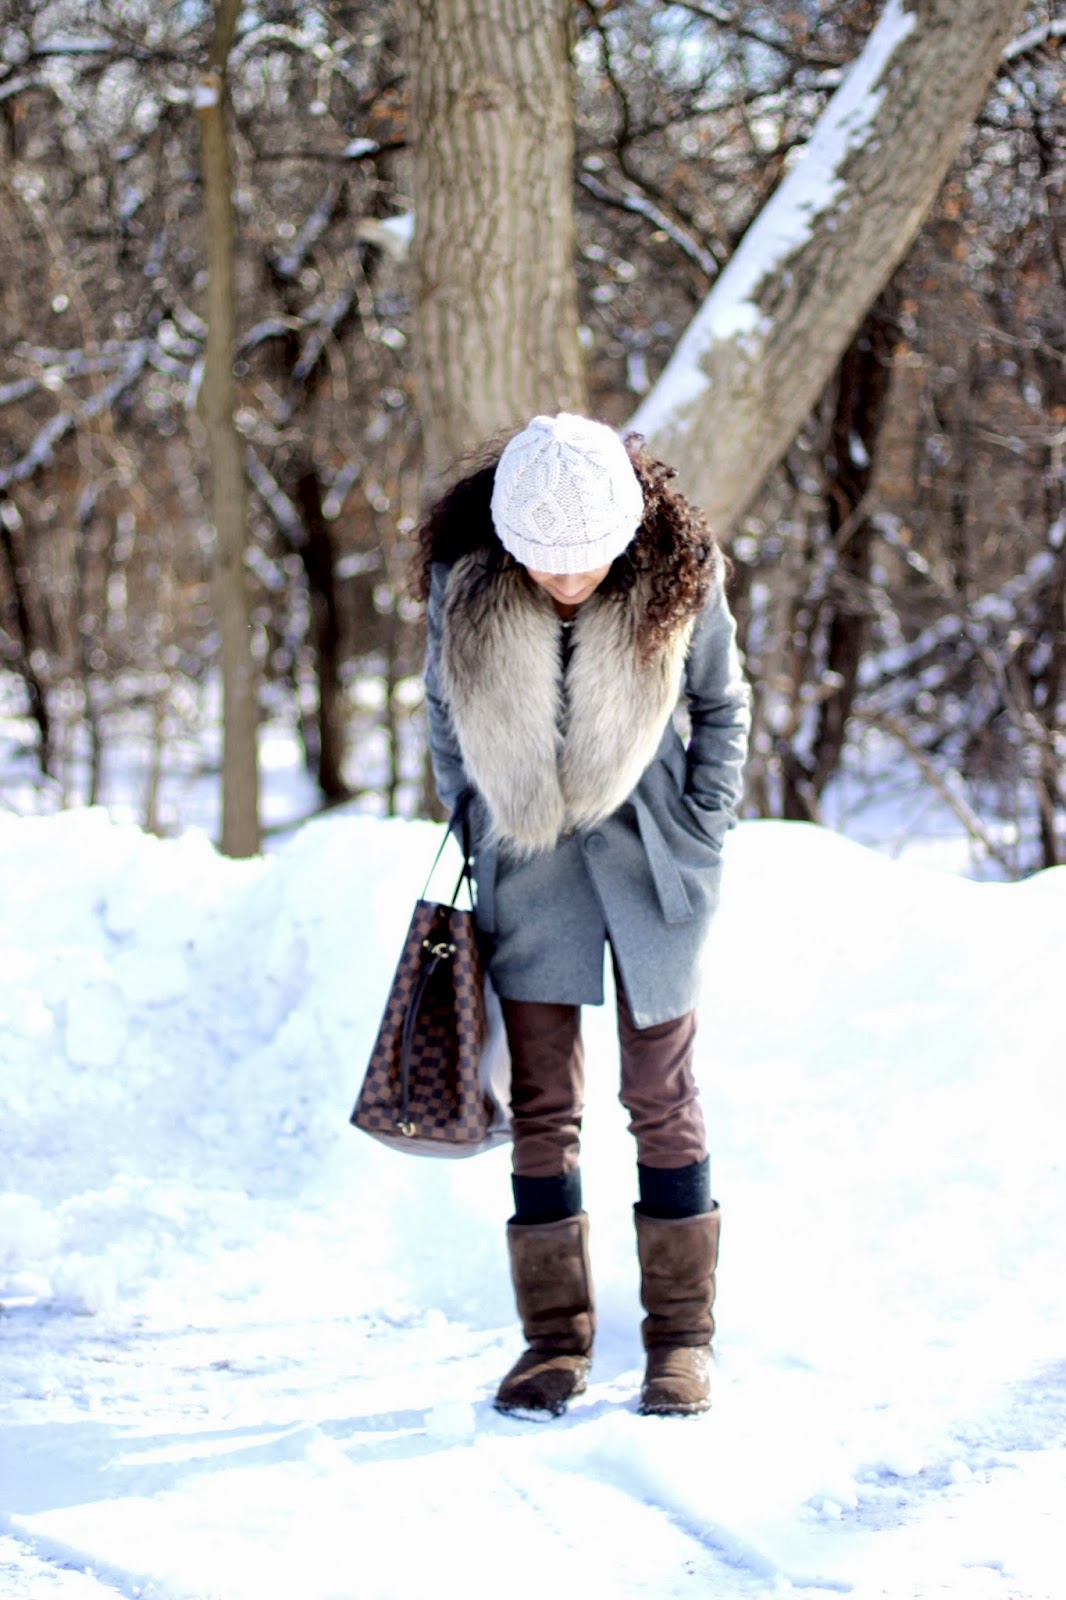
[[288, 265], [642, 206], [189, 321], [40, 452], [731, 312], [269, 328], [392, 234], [61, 366], [73, 45], [16, 84], [947, 644], [324, 321], [305, 40], [19, 390], [285, 515], [207, 93], [43, 446], [1026, 43], [942, 778]]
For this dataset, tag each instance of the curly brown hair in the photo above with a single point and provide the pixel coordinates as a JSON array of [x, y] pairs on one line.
[[674, 544]]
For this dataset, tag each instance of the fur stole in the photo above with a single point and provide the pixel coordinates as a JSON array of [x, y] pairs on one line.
[[547, 763]]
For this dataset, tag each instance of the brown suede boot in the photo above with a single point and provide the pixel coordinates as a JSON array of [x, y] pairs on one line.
[[553, 1288], [678, 1258]]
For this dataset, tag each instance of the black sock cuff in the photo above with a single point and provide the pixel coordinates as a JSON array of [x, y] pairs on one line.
[[671, 1192], [546, 1199]]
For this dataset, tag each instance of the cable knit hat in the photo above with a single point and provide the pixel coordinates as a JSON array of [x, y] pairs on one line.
[[565, 497]]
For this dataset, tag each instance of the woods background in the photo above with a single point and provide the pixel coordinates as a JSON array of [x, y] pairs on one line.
[[206, 526]]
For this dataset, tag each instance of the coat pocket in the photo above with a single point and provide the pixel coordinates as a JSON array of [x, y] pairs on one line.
[[705, 823]]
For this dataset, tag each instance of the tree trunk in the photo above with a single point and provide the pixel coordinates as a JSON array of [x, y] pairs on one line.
[[753, 362], [240, 773], [494, 286], [862, 399], [28, 643], [316, 553]]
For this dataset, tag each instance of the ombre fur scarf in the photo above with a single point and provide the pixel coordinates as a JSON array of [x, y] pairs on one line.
[[548, 761]]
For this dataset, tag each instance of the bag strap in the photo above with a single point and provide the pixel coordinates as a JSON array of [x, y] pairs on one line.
[[460, 818], [433, 954]]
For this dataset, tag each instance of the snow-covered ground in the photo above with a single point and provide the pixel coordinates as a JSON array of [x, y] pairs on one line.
[[248, 1354]]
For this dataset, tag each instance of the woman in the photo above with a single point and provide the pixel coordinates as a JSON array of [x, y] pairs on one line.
[[573, 597]]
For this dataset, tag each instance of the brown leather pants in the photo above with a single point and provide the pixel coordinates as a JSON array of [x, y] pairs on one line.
[[548, 1087]]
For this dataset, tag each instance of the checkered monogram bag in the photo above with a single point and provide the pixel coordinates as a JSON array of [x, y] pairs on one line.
[[438, 1078]]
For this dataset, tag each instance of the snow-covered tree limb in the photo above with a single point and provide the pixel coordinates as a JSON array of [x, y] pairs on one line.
[[1026, 43], [43, 445], [755, 358]]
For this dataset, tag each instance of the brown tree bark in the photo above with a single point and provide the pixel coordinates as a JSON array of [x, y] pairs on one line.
[[862, 397], [766, 341], [844, 613], [316, 553], [229, 499], [27, 638], [494, 286]]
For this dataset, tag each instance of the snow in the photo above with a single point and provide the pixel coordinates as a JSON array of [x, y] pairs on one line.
[[402, 227], [642, 206], [394, 234], [250, 1353], [1043, 33], [731, 312]]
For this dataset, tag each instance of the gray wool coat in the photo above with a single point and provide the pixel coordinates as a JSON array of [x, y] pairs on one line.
[[645, 878]]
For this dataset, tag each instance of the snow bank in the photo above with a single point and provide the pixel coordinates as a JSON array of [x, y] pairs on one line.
[[294, 1333]]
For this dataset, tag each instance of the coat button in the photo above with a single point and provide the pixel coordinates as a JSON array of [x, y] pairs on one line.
[[595, 844]]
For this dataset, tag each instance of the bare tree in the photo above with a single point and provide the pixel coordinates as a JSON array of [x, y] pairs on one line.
[[240, 716], [495, 303], [899, 577]]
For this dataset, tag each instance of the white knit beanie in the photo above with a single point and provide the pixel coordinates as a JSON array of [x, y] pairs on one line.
[[565, 497]]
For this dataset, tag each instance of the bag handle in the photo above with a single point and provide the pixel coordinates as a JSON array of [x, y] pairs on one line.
[[460, 818], [433, 955]]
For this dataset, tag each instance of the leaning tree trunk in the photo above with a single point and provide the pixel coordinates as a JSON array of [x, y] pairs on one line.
[[494, 287], [229, 499], [767, 339]]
